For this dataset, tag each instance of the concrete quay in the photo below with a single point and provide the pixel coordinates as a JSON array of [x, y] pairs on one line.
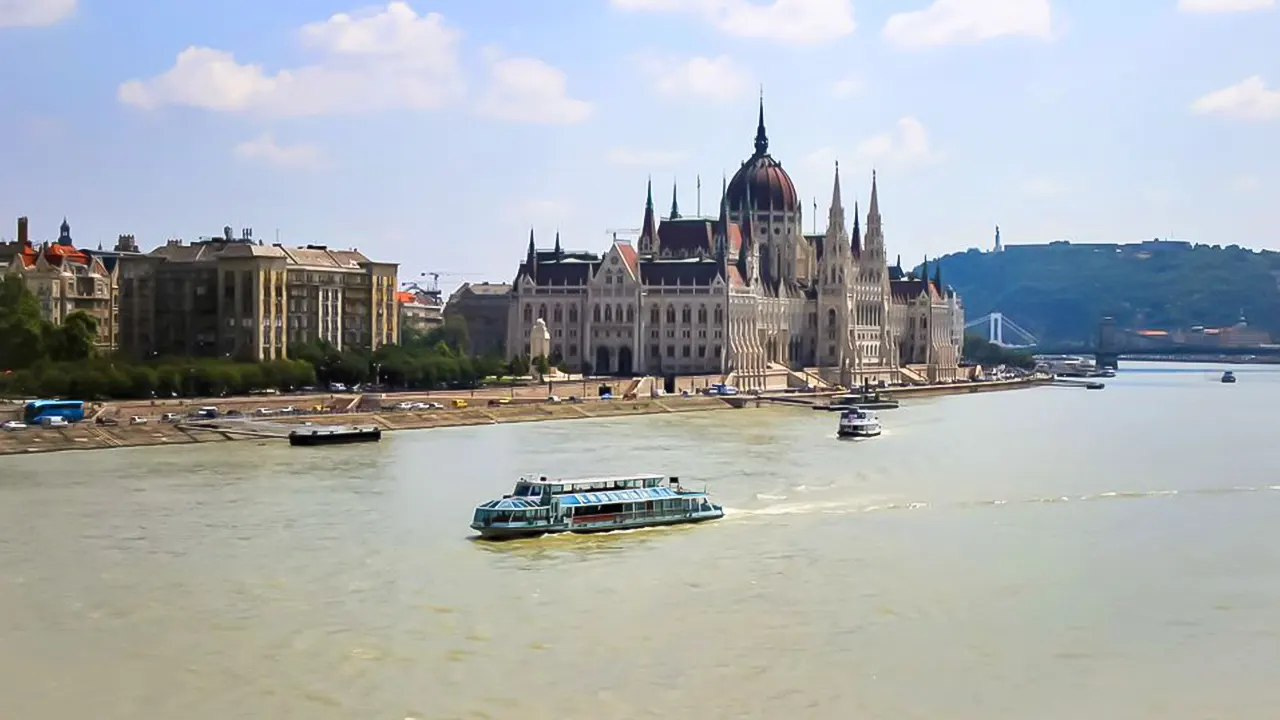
[[89, 436]]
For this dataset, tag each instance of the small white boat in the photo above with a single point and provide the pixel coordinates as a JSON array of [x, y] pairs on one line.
[[855, 423]]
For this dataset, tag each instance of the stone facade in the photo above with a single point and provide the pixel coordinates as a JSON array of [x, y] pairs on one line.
[[485, 309], [66, 280], [744, 293], [236, 298]]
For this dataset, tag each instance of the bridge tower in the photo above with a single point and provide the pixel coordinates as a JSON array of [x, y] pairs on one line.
[[1109, 344]]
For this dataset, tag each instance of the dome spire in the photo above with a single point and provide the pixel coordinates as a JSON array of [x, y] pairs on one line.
[[762, 139]]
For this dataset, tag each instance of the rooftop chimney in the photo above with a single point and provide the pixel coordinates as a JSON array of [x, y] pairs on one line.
[[23, 237]]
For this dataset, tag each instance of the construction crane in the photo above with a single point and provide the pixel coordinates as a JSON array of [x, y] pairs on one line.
[[435, 278], [615, 232]]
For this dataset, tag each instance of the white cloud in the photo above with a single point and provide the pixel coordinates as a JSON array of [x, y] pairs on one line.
[[1249, 99], [717, 79], [643, 158], [907, 147], [35, 13], [368, 60], [1224, 6], [528, 90], [846, 88], [821, 160], [793, 22], [265, 149], [966, 22]]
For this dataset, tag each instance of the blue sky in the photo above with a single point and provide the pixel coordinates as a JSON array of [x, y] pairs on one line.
[[435, 134]]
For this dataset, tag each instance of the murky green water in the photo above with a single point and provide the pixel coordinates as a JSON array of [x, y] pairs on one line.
[[1048, 554]]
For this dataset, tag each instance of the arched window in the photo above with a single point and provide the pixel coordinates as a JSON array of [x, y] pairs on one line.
[[686, 315], [719, 315], [617, 312], [671, 313], [702, 314], [528, 313], [573, 313], [595, 313], [831, 317], [608, 313], [558, 313], [542, 311], [654, 315], [631, 313]]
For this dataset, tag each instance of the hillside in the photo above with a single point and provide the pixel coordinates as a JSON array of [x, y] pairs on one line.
[[1060, 290]]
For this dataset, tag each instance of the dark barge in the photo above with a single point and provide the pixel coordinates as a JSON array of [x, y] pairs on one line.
[[334, 436]]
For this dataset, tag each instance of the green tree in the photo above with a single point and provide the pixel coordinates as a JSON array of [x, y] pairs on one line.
[[21, 325], [74, 339]]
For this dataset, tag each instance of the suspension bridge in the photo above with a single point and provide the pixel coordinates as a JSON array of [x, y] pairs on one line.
[[1000, 330]]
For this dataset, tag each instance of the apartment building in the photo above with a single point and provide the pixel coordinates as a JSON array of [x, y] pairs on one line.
[[65, 280], [234, 297]]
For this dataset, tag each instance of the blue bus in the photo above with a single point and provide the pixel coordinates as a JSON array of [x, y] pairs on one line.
[[69, 410]]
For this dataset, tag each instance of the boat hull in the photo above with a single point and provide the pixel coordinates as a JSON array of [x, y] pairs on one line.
[[336, 437], [858, 433], [506, 532]]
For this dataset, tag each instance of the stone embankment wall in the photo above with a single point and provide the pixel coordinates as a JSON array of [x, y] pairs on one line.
[[87, 436]]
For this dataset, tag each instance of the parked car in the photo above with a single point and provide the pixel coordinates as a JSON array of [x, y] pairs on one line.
[[169, 417], [137, 420], [13, 425]]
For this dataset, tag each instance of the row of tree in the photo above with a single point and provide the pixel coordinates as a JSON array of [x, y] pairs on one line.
[[979, 351], [43, 359]]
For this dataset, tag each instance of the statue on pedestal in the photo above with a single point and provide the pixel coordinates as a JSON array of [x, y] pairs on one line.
[[539, 345]]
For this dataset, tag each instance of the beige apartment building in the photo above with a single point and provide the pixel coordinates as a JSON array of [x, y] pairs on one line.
[[236, 298], [65, 280]]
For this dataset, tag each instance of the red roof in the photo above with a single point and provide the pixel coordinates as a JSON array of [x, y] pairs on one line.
[[629, 256]]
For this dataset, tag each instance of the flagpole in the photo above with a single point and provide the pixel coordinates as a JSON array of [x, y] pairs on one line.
[[699, 195]]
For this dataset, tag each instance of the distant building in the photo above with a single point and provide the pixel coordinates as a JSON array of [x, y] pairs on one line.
[[65, 280], [485, 309], [421, 310], [746, 293], [237, 298]]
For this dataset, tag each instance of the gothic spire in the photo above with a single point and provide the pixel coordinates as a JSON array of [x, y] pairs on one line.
[[762, 139], [675, 201], [531, 258], [532, 252], [835, 218], [874, 210], [937, 276], [649, 228], [855, 242], [559, 252]]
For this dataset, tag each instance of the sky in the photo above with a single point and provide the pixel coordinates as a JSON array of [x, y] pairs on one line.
[[437, 133]]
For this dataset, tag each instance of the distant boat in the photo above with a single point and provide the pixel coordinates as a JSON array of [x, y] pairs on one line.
[[334, 436], [856, 423], [1228, 377]]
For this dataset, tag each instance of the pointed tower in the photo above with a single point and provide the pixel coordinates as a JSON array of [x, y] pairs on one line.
[[748, 265], [855, 240], [722, 229], [559, 251], [675, 201], [937, 278], [531, 259], [835, 216], [648, 242], [762, 138]]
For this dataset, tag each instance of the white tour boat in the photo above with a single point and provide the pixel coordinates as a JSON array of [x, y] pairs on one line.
[[858, 423], [539, 505]]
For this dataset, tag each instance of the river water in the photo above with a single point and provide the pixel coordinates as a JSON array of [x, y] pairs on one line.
[[1049, 553]]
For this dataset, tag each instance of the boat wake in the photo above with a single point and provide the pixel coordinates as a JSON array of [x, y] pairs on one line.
[[866, 505]]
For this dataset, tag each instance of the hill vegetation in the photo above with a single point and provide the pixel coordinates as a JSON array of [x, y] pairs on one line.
[[1060, 291]]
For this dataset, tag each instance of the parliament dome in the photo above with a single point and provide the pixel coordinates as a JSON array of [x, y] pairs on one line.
[[763, 180]]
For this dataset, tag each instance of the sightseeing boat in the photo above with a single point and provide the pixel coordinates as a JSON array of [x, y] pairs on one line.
[[539, 505], [856, 423], [334, 436]]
